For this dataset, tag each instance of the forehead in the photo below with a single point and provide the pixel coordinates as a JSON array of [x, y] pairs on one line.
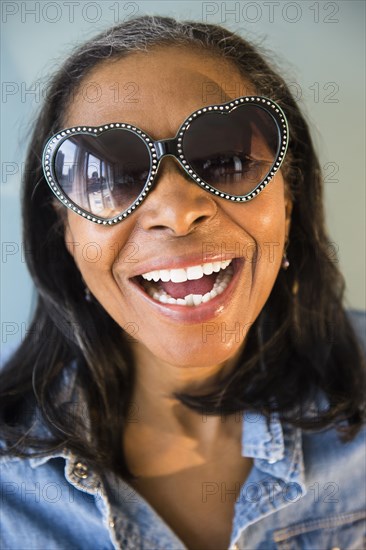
[[155, 89]]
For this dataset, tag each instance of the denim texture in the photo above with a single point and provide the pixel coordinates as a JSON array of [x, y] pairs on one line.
[[306, 491]]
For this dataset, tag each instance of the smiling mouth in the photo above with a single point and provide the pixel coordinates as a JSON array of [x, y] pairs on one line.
[[189, 286]]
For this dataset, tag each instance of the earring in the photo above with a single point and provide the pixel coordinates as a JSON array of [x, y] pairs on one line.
[[87, 294], [285, 262]]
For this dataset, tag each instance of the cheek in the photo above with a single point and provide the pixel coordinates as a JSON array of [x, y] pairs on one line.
[[95, 249], [263, 221]]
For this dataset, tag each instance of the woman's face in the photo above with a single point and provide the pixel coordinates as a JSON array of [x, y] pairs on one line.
[[178, 225]]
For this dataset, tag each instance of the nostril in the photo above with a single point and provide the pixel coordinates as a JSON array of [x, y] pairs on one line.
[[178, 219], [159, 227], [200, 219]]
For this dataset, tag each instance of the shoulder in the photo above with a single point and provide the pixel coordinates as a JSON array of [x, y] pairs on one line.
[[329, 460], [330, 510], [48, 509]]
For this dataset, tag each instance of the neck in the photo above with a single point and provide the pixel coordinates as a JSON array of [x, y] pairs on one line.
[[155, 383]]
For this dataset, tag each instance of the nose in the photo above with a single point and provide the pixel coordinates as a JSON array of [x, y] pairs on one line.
[[176, 204]]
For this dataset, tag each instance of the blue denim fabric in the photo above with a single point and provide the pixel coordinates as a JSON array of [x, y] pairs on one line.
[[306, 491]]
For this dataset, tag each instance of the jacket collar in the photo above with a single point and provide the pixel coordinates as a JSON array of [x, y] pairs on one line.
[[275, 446]]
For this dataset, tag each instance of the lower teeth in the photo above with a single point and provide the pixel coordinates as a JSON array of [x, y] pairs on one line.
[[220, 285]]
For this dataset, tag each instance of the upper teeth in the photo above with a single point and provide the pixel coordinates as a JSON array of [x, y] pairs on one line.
[[183, 274]]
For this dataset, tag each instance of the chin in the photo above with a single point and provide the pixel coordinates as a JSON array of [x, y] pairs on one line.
[[186, 353]]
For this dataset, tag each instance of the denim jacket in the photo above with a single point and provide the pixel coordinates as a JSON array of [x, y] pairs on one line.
[[306, 491]]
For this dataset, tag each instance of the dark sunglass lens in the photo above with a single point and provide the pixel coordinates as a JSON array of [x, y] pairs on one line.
[[103, 175], [232, 152]]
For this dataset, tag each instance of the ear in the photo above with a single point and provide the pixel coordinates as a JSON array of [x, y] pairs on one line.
[[61, 213], [60, 210], [288, 211], [69, 240]]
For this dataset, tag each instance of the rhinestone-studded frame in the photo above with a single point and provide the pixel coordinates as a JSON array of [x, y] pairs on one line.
[[270, 107], [55, 141], [50, 154]]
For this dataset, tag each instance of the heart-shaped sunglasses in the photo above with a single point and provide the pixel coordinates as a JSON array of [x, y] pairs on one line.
[[231, 150]]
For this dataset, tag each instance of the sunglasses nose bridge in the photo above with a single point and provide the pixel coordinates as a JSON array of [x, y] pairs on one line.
[[165, 147], [168, 148]]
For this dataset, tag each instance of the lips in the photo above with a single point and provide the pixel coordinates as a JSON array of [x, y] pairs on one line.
[[187, 286], [195, 309]]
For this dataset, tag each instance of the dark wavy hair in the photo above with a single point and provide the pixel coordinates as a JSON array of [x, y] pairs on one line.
[[301, 346]]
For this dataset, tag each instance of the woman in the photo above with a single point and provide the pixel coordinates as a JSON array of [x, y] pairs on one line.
[[192, 379]]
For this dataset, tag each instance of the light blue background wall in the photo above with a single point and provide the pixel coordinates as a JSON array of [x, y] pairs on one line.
[[319, 45]]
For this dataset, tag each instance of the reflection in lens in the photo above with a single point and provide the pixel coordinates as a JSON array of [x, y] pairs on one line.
[[232, 152], [103, 175]]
